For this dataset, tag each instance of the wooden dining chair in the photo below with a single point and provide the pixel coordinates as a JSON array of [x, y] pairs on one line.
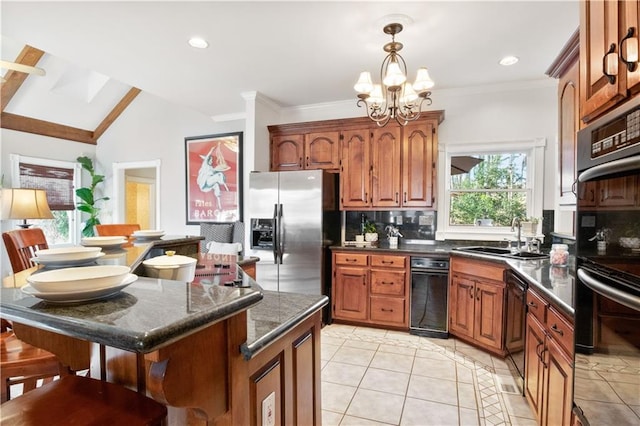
[[21, 363], [117, 229], [78, 400], [21, 245]]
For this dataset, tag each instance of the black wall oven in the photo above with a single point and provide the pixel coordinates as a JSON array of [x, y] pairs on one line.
[[607, 294]]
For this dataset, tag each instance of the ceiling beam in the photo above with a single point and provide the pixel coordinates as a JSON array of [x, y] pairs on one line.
[[115, 112], [45, 128], [14, 79]]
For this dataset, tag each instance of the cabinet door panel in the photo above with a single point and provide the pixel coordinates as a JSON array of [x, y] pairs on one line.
[[569, 121], [418, 165], [287, 152], [262, 387], [303, 366], [322, 150], [385, 152], [462, 305], [618, 192], [558, 386], [350, 293], [488, 314], [355, 176], [534, 369], [599, 20]]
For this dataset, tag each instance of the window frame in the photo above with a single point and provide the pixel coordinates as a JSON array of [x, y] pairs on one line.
[[75, 227], [534, 149]]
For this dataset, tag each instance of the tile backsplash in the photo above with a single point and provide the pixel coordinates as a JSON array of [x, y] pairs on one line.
[[412, 224]]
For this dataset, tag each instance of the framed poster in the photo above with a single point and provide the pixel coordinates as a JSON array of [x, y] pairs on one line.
[[214, 178]]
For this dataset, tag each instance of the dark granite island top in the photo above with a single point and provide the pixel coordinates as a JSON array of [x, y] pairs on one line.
[[146, 315]]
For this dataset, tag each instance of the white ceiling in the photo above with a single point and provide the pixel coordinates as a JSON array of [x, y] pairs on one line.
[[296, 53]]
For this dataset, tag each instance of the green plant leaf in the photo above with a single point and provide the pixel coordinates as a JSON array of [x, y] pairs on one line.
[[86, 163], [86, 195]]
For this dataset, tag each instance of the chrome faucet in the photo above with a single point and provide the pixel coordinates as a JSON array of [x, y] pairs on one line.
[[516, 222]]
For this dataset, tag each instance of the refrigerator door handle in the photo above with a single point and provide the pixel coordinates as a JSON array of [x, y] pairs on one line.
[[274, 235], [281, 234]]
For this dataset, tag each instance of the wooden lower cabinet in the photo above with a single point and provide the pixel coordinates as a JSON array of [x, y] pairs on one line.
[[476, 302], [548, 363], [370, 289]]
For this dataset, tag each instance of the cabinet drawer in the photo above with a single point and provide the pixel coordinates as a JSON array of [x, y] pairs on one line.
[[388, 310], [478, 269], [351, 259], [388, 261], [560, 329], [390, 283], [536, 306]]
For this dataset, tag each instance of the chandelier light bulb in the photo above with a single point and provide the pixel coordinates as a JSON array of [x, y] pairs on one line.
[[395, 77], [376, 96], [364, 84], [409, 96], [423, 81]]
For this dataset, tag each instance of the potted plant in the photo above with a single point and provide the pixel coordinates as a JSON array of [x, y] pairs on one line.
[[87, 196], [370, 232], [530, 225]]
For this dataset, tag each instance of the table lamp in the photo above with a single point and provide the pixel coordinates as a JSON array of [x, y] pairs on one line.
[[18, 203]]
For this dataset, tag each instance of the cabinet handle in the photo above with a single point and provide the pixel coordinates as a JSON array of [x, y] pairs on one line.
[[574, 188], [386, 310], [405, 197], [631, 66], [386, 282], [307, 162], [555, 328], [593, 195], [610, 77], [471, 292], [396, 198], [387, 262], [477, 293], [539, 354], [350, 260], [300, 162], [532, 304], [542, 357]]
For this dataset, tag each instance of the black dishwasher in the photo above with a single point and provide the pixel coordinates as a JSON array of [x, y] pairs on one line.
[[429, 301]]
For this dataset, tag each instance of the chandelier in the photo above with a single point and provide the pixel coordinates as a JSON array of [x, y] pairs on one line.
[[398, 99]]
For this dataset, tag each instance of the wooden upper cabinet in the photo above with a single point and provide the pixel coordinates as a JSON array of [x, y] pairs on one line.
[[355, 174], [604, 77], [569, 122], [322, 150], [287, 152], [418, 165], [385, 170], [618, 192]]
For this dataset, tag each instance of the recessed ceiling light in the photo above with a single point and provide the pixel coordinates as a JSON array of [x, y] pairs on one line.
[[198, 43], [509, 60]]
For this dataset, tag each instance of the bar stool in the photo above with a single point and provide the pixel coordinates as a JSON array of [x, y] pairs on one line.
[[77, 400], [117, 229]]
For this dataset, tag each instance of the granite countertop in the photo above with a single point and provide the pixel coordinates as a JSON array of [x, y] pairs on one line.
[[146, 315], [275, 315], [554, 282]]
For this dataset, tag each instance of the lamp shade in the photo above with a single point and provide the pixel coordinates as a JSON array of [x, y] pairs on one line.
[[25, 204]]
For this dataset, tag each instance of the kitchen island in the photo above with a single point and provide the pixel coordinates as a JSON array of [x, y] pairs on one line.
[[214, 353]]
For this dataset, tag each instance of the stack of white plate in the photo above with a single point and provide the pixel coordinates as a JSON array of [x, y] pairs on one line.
[[67, 256], [109, 242], [148, 234], [79, 284]]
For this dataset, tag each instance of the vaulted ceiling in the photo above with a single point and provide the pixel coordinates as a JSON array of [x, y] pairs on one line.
[[296, 53]]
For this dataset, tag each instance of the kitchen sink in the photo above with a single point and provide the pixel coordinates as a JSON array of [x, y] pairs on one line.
[[502, 252]]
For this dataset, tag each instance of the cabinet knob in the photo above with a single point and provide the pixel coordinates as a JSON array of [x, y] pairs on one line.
[[532, 304]]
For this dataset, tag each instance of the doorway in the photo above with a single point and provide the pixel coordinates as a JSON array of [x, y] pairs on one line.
[[137, 193]]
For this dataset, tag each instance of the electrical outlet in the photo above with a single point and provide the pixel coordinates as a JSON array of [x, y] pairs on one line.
[[269, 410]]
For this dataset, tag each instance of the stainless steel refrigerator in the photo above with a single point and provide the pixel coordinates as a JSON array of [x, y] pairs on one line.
[[293, 220]]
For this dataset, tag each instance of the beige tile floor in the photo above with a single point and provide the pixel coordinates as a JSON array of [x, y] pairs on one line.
[[379, 377]]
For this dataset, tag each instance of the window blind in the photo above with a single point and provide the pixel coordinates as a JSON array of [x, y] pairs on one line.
[[57, 181]]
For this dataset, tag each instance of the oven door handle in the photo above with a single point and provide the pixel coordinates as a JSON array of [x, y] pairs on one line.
[[623, 298], [615, 166]]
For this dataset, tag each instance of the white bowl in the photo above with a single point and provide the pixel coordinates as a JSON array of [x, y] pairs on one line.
[[629, 242], [171, 267], [78, 279], [67, 253]]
